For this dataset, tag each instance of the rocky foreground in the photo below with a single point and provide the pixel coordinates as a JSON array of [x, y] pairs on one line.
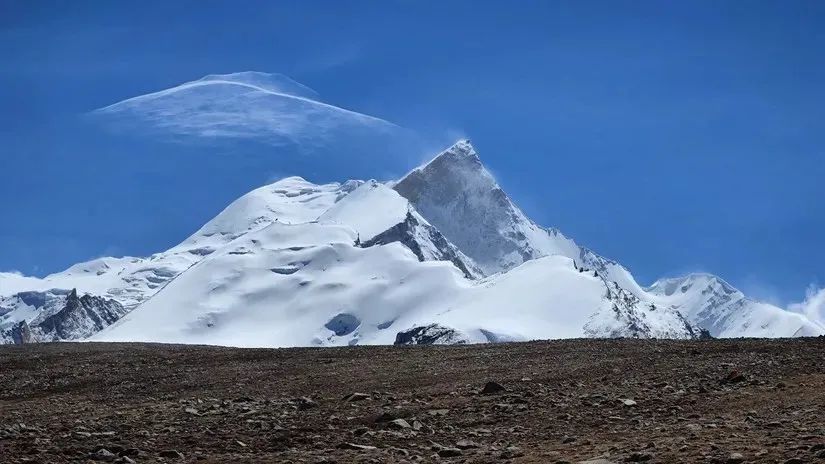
[[716, 401]]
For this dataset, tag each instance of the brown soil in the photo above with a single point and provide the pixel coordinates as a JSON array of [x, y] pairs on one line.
[[708, 401]]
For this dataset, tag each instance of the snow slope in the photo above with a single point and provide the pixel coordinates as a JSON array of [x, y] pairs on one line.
[[310, 284], [370, 210], [132, 280], [129, 281]]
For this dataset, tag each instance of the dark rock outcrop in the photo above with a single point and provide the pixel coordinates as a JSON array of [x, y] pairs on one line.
[[426, 242], [634, 316], [432, 334], [80, 317], [21, 333]]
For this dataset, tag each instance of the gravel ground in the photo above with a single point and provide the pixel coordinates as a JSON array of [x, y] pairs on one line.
[[716, 401]]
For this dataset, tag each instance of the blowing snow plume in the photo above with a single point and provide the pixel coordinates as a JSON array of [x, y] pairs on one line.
[[813, 307], [269, 108]]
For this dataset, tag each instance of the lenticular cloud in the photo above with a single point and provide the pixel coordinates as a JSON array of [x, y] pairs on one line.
[[249, 105]]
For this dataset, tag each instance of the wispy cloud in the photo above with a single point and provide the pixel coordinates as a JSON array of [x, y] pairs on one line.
[[813, 307], [11, 273], [267, 107]]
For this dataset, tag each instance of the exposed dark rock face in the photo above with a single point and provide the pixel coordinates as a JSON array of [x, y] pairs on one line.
[[21, 333], [80, 317], [632, 313], [426, 242], [343, 324], [36, 299], [696, 332], [455, 193], [432, 334]]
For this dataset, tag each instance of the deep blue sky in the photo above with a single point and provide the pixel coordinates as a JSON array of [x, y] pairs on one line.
[[671, 136]]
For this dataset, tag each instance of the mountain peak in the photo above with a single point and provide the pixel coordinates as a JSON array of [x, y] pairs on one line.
[[457, 169], [457, 164], [702, 280], [461, 198], [462, 147], [460, 152]]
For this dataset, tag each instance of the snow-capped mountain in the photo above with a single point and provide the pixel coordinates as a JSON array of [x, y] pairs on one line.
[[724, 311], [440, 256], [321, 283], [130, 281], [56, 315], [462, 199], [457, 194]]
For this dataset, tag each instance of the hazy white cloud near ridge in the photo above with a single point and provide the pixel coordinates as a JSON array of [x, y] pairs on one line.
[[813, 307]]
